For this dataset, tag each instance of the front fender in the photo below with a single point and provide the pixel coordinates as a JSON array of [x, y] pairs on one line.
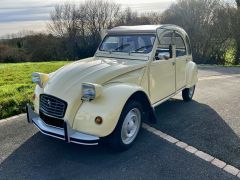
[[192, 74], [109, 106]]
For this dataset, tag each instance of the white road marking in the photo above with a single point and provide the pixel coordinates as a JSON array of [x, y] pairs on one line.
[[218, 77], [232, 170], [200, 154]]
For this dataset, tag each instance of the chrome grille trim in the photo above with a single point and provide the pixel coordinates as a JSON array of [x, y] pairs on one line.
[[52, 106]]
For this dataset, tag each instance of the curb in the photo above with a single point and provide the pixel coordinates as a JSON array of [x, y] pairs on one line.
[[190, 149], [12, 118]]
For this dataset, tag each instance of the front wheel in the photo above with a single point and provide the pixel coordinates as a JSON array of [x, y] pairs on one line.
[[128, 126], [187, 93]]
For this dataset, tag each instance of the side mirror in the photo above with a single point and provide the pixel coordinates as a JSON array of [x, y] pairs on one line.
[[163, 55]]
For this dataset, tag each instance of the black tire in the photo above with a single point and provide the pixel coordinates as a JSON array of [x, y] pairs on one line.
[[115, 139], [187, 94]]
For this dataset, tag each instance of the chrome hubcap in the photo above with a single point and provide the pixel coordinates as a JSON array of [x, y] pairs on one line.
[[131, 126]]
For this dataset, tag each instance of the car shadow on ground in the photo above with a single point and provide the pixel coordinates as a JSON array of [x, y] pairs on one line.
[[200, 126], [44, 157]]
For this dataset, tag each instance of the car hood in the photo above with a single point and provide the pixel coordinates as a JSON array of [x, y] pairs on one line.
[[66, 81]]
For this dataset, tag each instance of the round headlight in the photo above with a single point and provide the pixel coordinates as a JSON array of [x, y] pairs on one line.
[[39, 78], [90, 91]]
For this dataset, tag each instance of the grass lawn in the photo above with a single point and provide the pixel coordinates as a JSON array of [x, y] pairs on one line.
[[16, 88]]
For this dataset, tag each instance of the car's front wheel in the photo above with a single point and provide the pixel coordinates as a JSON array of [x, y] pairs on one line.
[[188, 93], [128, 126]]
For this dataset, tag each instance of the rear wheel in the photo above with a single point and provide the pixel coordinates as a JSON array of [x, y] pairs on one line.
[[188, 93], [128, 127]]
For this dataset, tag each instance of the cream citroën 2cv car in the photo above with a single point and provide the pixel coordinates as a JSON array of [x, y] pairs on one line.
[[109, 95]]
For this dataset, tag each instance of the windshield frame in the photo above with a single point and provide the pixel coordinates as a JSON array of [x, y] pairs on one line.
[[129, 34]]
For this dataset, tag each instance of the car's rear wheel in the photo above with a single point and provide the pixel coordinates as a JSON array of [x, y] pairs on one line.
[[188, 93], [128, 127]]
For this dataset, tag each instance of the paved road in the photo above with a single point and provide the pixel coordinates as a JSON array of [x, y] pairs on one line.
[[211, 123]]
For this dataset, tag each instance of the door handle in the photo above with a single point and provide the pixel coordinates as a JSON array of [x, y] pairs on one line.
[[173, 63]]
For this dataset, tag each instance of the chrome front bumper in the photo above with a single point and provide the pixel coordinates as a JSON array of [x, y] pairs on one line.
[[66, 133]]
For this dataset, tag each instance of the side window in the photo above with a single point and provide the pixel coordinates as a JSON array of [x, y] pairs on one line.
[[189, 50], [180, 46], [164, 50]]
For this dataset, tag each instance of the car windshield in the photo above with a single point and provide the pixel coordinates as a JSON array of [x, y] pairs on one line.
[[128, 43]]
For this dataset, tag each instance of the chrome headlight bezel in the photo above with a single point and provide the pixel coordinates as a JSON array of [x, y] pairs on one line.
[[39, 78], [90, 91], [36, 78]]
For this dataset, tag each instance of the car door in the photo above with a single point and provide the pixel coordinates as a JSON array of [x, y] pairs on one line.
[[181, 61], [162, 68]]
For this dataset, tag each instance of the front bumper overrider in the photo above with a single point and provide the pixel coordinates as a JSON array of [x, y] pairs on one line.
[[66, 133]]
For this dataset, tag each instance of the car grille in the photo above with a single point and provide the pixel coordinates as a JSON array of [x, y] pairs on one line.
[[51, 121], [52, 106]]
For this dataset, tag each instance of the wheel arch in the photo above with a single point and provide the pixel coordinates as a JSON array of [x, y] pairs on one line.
[[148, 110], [109, 107], [192, 74]]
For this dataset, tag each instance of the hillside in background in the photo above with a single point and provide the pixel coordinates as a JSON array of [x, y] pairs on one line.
[[74, 31]]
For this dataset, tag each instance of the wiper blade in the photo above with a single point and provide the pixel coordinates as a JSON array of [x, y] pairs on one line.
[[136, 50], [120, 47]]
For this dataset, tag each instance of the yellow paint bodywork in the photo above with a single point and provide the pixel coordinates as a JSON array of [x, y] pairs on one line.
[[109, 106], [119, 80], [66, 84], [119, 77], [44, 78], [191, 74]]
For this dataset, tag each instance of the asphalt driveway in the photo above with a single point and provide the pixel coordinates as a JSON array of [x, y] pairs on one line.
[[210, 123]]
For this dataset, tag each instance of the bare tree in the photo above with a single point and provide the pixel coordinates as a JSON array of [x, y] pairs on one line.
[[81, 25], [130, 17], [100, 15], [238, 3], [204, 21], [64, 23], [127, 17], [63, 20], [89, 18], [212, 25]]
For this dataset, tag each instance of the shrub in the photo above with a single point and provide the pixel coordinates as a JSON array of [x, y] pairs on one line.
[[11, 54]]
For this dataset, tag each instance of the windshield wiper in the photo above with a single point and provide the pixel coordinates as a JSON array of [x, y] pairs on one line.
[[120, 47], [136, 50]]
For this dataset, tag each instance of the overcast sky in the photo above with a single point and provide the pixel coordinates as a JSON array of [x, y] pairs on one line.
[[18, 15]]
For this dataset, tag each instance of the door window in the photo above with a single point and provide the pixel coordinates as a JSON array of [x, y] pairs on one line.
[[189, 50], [180, 46], [165, 50]]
